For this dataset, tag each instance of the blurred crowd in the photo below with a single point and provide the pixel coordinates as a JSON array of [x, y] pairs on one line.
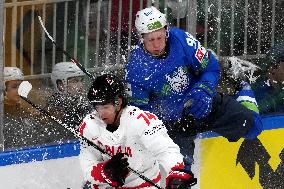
[[25, 126]]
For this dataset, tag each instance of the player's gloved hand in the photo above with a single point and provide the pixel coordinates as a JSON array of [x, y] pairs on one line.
[[199, 103], [180, 179], [116, 170]]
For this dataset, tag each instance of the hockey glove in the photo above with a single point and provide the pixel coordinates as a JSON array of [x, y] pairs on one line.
[[199, 101], [116, 170], [180, 179]]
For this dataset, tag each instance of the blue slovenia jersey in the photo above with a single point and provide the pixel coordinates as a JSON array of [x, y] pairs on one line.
[[161, 85]]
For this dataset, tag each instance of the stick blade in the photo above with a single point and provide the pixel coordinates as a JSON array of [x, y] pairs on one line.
[[24, 88]]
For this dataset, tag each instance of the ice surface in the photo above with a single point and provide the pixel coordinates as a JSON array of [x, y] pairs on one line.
[[60, 173]]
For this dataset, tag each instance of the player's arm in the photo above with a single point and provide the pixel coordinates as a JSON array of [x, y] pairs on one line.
[[206, 69], [154, 137], [138, 95], [91, 164], [101, 172], [204, 63]]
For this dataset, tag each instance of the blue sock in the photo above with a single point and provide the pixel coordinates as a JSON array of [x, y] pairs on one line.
[[247, 98]]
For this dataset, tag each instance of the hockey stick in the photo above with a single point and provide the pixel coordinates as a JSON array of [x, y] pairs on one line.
[[24, 89], [64, 51]]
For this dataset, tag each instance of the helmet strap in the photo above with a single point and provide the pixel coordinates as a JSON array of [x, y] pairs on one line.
[[61, 86], [167, 32], [116, 104], [114, 126]]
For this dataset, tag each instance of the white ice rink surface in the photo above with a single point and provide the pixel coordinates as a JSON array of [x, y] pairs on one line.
[[60, 173]]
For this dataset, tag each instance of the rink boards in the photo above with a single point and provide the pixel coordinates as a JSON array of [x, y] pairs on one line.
[[218, 163], [244, 164]]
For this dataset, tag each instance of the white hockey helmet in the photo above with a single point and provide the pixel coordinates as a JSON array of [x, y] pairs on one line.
[[62, 71], [13, 73], [149, 20]]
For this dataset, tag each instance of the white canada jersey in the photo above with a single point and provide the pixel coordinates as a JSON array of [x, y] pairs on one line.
[[141, 135]]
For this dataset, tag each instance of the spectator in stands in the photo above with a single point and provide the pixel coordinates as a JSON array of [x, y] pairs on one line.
[[12, 77], [269, 88], [68, 102], [17, 120], [23, 125]]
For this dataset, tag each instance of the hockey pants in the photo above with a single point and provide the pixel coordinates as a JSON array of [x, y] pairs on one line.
[[228, 118]]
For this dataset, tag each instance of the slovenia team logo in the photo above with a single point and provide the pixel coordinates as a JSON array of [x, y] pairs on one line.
[[179, 80]]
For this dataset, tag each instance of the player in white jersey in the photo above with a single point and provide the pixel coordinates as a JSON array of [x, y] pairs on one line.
[[133, 138]]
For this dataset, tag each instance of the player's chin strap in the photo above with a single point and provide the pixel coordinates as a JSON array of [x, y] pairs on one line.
[[114, 126]]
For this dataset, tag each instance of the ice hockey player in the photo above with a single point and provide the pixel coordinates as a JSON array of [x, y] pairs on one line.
[[23, 125], [13, 77], [132, 137], [270, 85], [172, 75], [67, 78], [15, 111], [68, 102]]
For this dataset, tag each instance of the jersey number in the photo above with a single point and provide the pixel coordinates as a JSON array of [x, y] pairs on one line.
[[190, 40], [147, 117]]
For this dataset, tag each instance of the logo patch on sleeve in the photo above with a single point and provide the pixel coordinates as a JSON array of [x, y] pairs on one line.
[[200, 53]]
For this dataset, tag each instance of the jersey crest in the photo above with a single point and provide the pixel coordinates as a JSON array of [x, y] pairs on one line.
[[179, 81]]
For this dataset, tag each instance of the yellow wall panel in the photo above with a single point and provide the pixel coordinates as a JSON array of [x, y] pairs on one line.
[[246, 164]]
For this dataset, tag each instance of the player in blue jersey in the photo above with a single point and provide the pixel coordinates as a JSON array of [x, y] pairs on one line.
[[171, 74]]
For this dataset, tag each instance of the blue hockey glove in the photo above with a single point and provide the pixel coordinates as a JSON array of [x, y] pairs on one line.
[[180, 179], [199, 103]]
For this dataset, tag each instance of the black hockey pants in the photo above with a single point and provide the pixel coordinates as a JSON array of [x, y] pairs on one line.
[[228, 118]]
